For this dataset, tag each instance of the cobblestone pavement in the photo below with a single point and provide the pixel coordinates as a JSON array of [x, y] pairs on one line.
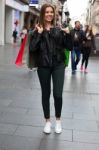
[[21, 116]]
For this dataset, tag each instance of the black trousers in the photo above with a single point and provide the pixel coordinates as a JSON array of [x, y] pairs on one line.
[[57, 74], [85, 56]]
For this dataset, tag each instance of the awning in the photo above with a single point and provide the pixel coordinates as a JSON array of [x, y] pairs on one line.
[[18, 6], [34, 11]]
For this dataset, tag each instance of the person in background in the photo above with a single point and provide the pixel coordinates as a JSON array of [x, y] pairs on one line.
[[14, 35], [48, 42], [77, 37], [88, 45], [23, 33], [66, 24]]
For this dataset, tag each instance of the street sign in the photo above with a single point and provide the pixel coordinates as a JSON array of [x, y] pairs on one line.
[[33, 2]]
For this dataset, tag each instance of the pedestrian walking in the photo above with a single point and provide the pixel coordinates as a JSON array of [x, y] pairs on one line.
[[14, 35], [88, 45], [66, 24], [77, 37], [48, 42]]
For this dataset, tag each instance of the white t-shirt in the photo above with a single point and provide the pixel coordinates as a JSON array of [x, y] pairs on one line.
[[23, 33]]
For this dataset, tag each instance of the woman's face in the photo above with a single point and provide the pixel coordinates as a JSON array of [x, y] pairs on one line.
[[49, 14]]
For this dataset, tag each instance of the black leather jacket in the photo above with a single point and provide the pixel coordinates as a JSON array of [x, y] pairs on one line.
[[49, 46], [80, 34]]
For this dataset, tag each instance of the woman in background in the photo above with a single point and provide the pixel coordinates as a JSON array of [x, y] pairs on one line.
[[88, 45]]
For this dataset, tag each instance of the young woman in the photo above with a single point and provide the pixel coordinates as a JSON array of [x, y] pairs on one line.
[[48, 43], [88, 45]]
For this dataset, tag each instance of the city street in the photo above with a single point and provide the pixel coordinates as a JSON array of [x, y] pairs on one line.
[[21, 115]]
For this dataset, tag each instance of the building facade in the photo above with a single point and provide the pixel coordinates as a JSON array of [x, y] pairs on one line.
[[93, 14], [15, 14], [12, 14]]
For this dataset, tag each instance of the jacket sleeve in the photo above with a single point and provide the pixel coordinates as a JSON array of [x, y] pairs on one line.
[[68, 43], [34, 41]]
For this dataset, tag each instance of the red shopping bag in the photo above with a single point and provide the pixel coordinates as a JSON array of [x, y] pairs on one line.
[[21, 52]]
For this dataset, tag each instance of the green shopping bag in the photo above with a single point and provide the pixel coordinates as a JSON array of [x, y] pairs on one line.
[[67, 53]]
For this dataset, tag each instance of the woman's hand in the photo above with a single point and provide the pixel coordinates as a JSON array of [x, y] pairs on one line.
[[39, 28]]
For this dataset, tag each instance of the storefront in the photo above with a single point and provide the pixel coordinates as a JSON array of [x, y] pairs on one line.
[[15, 14], [14, 18]]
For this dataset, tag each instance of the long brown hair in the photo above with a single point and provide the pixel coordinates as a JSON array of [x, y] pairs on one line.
[[90, 31], [42, 13]]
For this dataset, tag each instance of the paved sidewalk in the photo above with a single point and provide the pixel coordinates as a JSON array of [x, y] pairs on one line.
[[21, 116]]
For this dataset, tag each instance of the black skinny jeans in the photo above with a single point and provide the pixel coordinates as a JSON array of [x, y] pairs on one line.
[[57, 74], [85, 56]]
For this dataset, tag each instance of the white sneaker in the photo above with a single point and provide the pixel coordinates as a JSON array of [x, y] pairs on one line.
[[47, 128], [58, 127]]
